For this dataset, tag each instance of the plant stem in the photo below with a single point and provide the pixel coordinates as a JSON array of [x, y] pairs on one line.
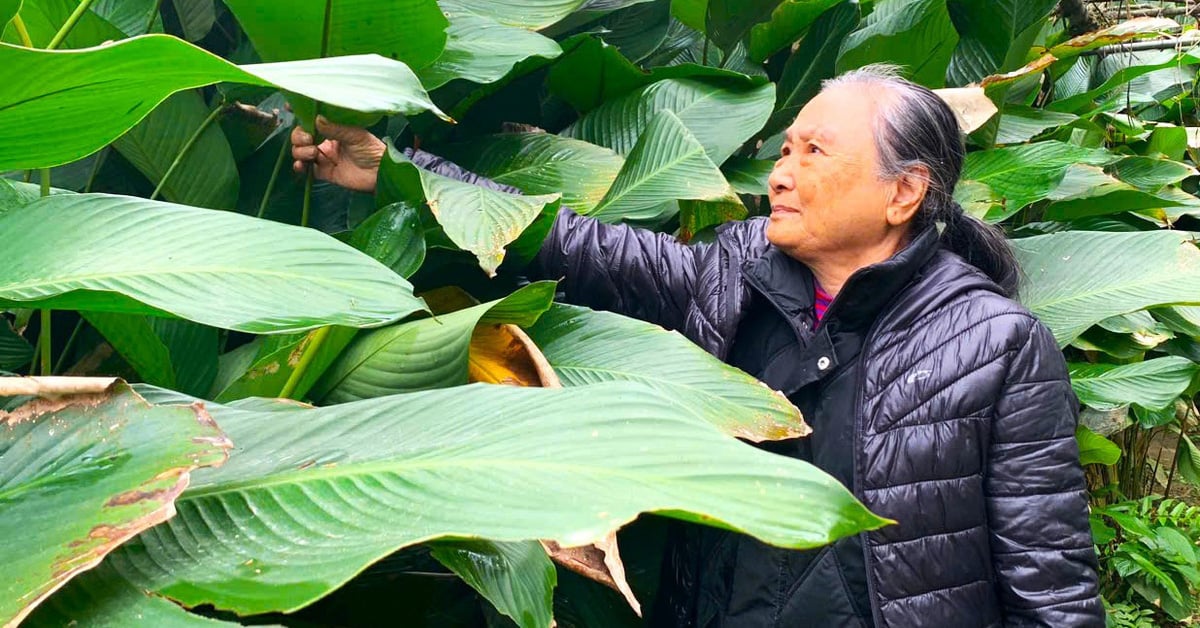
[[62, 357], [45, 181], [22, 32], [310, 353], [153, 15], [44, 343], [306, 208], [262, 207], [186, 148], [69, 24]]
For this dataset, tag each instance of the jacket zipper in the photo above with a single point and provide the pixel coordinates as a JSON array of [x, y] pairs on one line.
[[859, 419]]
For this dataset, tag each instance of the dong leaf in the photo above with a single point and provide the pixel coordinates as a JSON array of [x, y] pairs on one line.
[[542, 163], [530, 14], [788, 22], [396, 472], [666, 164], [728, 21], [720, 116], [393, 235], [196, 17], [482, 50], [137, 74], [423, 354], [1089, 191], [410, 31], [1019, 175], [1067, 293], [207, 175], [103, 598], [1019, 124], [517, 578], [593, 72], [1096, 449], [811, 64], [994, 35], [122, 254], [15, 351], [82, 476], [1153, 384], [915, 34], [587, 347], [8, 9], [475, 218]]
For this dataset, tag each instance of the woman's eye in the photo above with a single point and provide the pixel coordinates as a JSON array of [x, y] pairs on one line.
[[814, 149], [785, 152]]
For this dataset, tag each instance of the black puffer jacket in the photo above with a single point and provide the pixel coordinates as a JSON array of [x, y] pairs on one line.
[[962, 429]]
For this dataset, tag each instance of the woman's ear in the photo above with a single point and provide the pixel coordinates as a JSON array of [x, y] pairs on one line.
[[910, 190]]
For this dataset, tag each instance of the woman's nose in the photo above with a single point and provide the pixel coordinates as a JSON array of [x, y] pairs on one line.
[[779, 180]]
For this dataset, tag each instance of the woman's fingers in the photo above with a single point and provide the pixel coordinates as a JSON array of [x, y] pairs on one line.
[[300, 137], [305, 153]]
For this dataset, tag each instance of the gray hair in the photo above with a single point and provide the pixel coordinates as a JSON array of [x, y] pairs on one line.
[[917, 134]]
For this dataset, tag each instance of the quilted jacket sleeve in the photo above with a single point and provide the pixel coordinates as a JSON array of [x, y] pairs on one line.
[[623, 269], [1036, 494]]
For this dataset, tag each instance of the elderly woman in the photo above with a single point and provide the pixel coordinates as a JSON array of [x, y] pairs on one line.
[[885, 314]]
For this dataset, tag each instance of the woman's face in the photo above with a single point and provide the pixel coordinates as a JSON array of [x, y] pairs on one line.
[[825, 191]]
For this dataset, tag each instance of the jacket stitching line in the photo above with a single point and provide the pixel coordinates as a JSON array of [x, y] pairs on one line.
[[939, 590], [941, 346], [929, 481], [929, 536], [898, 428], [924, 402]]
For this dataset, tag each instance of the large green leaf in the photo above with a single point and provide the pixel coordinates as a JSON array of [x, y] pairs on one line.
[[666, 164], [475, 218], [1089, 191], [1019, 175], [788, 22], [8, 8], [207, 175], [122, 254], [15, 351], [517, 578], [593, 72], [1152, 63], [811, 64], [728, 21], [1019, 124], [587, 347], [139, 73], [411, 31], [542, 163], [994, 35], [269, 530], [1065, 290], [80, 477], [393, 235], [423, 354], [101, 598], [721, 117], [196, 17], [1152, 384], [1095, 449], [531, 14], [916, 34], [482, 50], [1182, 319], [132, 17]]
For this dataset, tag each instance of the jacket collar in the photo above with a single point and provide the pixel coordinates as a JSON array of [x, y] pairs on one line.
[[789, 284]]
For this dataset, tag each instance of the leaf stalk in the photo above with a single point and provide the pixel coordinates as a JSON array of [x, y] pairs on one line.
[[187, 147], [67, 26], [306, 360]]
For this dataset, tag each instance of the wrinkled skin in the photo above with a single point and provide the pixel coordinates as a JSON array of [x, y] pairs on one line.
[[829, 207]]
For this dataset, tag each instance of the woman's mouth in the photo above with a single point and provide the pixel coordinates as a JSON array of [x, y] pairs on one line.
[[783, 210]]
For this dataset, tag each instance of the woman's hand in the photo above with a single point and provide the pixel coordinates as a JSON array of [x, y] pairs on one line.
[[348, 157]]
